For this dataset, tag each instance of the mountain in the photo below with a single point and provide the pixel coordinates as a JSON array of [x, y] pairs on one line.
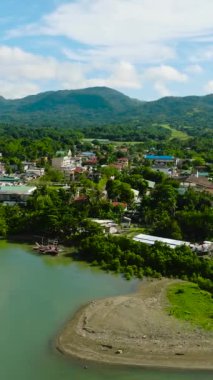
[[97, 105], [102, 105]]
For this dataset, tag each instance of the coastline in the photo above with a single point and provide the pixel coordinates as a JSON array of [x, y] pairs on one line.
[[135, 330]]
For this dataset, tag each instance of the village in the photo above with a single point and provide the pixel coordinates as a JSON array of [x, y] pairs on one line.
[[112, 169]]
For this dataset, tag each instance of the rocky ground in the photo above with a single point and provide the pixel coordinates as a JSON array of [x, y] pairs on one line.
[[136, 330]]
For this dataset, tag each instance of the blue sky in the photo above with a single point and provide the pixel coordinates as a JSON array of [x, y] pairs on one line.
[[144, 48]]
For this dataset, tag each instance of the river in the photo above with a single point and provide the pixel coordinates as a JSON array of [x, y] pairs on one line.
[[37, 296]]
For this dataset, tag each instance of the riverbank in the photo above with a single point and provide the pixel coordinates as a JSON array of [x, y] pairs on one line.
[[136, 330]]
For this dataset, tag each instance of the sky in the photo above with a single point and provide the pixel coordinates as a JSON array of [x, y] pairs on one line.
[[146, 49]]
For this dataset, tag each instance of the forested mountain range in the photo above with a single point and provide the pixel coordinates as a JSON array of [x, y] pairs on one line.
[[98, 106]]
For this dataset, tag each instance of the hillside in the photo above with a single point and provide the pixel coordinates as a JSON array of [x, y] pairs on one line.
[[102, 105], [98, 105]]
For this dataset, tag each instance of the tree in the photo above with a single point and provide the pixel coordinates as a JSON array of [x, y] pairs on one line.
[[167, 227], [119, 191], [164, 197], [53, 175], [3, 223]]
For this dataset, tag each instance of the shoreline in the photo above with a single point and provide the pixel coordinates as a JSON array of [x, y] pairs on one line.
[[135, 330]]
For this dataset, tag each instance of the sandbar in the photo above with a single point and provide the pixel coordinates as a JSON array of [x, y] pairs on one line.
[[136, 329]]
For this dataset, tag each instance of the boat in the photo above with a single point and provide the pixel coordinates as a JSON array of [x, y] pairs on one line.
[[51, 248]]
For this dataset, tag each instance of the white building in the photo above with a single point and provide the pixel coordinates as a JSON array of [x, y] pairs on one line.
[[149, 239], [65, 162], [109, 226], [16, 194]]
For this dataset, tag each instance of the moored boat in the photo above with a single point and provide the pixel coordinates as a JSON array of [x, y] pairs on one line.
[[51, 248]]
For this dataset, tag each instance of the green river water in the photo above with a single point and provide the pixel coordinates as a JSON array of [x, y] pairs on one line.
[[37, 296]]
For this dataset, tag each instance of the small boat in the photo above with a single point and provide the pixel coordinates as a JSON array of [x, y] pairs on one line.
[[51, 248]]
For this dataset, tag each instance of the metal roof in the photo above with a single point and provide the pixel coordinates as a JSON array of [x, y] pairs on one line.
[[149, 239], [17, 189], [154, 157]]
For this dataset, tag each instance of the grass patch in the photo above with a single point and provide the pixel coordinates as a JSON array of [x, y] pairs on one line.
[[188, 302], [132, 232], [175, 133]]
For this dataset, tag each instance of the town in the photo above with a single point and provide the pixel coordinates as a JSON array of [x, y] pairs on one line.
[[123, 187]]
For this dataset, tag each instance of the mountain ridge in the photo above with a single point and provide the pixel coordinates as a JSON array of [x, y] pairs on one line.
[[103, 105]]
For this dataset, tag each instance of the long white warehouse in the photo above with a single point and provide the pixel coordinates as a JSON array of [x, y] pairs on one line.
[[149, 239]]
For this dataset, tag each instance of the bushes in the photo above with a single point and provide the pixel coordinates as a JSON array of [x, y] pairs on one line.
[[132, 258]]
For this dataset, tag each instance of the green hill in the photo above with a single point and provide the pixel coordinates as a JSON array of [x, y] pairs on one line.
[[98, 105], [101, 105]]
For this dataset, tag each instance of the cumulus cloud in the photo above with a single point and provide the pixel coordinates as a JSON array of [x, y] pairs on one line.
[[162, 75], [23, 73], [166, 74], [15, 62], [124, 75], [162, 89], [209, 87], [114, 43], [16, 89]]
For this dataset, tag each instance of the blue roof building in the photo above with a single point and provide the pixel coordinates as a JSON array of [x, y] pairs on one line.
[[159, 158]]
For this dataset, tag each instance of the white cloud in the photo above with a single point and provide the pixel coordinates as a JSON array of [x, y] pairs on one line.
[[165, 73], [203, 55], [113, 41], [36, 72], [104, 56], [133, 30], [15, 62], [22, 73], [161, 88], [209, 87], [118, 22], [123, 75], [194, 69], [17, 89], [161, 76]]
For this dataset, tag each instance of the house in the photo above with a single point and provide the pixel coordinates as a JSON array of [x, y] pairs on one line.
[[109, 226], [78, 170], [28, 165], [91, 161], [121, 204], [87, 154], [198, 183], [171, 172], [36, 172], [160, 158], [16, 194], [62, 160], [205, 247], [9, 180]]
